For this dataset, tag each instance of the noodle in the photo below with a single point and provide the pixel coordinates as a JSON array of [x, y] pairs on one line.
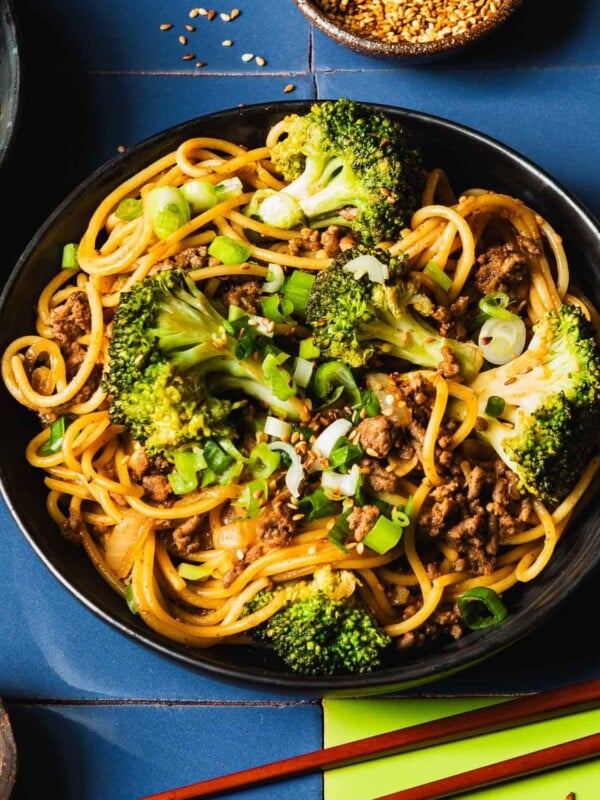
[[191, 563]]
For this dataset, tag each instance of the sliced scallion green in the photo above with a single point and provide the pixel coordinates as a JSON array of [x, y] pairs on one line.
[[437, 274], [228, 250], [57, 434], [129, 208], [481, 607], [494, 406], [384, 535], [69, 256]]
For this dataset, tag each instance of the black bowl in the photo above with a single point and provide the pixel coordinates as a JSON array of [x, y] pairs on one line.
[[10, 79], [471, 159]]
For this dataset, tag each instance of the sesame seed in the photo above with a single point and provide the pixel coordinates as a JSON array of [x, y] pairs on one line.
[[188, 57], [288, 88], [227, 43], [166, 26], [200, 64], [247, 56], [260, 61], [182, 40], [235, 12], [194, 13], [225, 17], [190, 28], [211, 14]]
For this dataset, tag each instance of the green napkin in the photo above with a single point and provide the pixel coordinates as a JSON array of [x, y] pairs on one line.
[[346, 720]]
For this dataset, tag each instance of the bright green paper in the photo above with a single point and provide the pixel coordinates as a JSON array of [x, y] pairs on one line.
[[346, 720]]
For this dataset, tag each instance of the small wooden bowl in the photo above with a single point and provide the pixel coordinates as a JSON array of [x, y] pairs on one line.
[[8, 756], [405, 50]]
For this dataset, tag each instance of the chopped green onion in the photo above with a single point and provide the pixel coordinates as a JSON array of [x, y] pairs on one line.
[[339, 533], [368, 403], [341, 484], [69, 256], [253, 497], [228, 250], [297, 289], [201, 195], [495, 305], [401, 515], [344, 454], [228, 188], [437, 274], [494, 406], [275, 279], [130, 599], [384, 535], [317, 505], [194, 572], [303, 370], [246, 344], [57, 433], [308, 350], [481, 607], [216, 458], [188, 463], [276, 308], [263, 461], [168, 210], [333, 380], [129, 208], [277, 378]]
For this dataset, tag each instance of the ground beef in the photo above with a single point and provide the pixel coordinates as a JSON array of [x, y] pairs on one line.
[[332, 241], [361, 519], [151, 473], [185, 539], [473, 510], [71, 528], [378, 478], [375, 435], [70, 320], [277, 526], [243, 293], [190, 258], [505, 268], [158, 489]]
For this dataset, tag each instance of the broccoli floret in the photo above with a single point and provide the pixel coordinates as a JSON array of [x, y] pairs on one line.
[[351, 164], [547, 429], [168, 343], [354, 317], [322, 629]]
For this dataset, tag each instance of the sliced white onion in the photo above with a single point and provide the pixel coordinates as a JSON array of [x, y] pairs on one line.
[[303, 371], [124, 541], [278, 428], [328, 437], [276, 279], [368, 265], [501, 340], [335, 483], [295, 473]]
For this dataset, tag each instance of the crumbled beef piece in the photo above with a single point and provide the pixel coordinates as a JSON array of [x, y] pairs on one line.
[[244, 293], [276, 526], [71, 528], [185, 537], [361, 519], [378, 478], [449, 366], [334, 240], [190, 258], [454, 320], [375, 435], [70, 320], [505, 268], [158, 489]]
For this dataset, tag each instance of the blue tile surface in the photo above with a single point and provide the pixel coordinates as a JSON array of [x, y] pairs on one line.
[[123, 752], [95, 715]]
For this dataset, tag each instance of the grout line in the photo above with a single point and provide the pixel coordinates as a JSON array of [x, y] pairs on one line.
[[129, 702]]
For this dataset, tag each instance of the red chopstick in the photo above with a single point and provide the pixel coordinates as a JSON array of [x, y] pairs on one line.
[[559, 755], [509, 714]]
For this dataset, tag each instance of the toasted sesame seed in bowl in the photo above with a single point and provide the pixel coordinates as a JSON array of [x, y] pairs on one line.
[[410, 29]]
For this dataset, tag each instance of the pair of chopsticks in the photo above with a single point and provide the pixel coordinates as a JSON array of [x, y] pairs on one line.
[[509, 714]]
